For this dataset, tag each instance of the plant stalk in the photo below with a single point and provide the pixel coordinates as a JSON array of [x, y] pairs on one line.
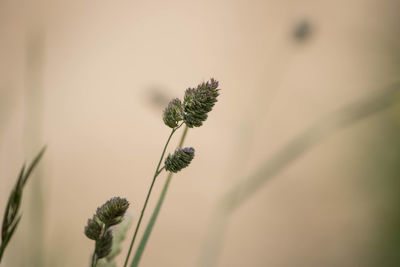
[[156, 173], [94, 257], [149, 227]]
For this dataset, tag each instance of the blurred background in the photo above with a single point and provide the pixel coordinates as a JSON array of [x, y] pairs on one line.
[[90, 79]]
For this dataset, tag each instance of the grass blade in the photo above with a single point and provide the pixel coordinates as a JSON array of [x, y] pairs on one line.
[[10, 219], [33, 164], [150, 225]]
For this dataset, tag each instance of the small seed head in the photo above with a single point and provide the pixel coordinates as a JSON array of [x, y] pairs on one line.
[[173, 113], [198, 102], [112, 212], [179, 160], [93, 228]]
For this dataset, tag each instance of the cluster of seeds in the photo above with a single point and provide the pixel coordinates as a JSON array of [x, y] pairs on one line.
[[193, 111], [197, 102], [98, 227], [179, 160]]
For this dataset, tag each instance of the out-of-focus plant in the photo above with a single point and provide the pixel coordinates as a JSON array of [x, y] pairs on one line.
[[119, 235], [192, 112], [11, 217], [98, 228], [239, 193]]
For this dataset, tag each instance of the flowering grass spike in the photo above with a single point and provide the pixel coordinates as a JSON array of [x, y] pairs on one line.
[[173, 113], [198, 102], [98, 228], [111, 212], [179, 160], [193, 111]]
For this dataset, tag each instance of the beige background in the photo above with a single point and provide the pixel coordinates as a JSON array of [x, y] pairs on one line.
[[87, 79]]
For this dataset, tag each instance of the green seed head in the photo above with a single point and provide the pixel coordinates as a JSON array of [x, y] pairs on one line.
[[179, 160], [93, 228], [173, 113], [112, 212], [198, 102]]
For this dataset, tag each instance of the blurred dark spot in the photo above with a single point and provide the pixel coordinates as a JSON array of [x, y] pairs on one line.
[[157, 97], [302, 31]]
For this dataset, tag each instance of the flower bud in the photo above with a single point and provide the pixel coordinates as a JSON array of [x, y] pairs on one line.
[[179, 160], [173, 113]]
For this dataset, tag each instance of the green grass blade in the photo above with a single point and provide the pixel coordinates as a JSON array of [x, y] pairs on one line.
[[33, 164], [7, 237], [12, 230], [150, 225], [341, 118], [10, 216], [10, 219], [119, 235]]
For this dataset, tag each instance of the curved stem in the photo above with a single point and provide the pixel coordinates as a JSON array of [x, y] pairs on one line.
[[149, 227], [156, 173]]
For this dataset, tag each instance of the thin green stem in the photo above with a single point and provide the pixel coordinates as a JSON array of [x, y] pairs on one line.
[[156, 173], [160, 170], [183, 137], [149, 227], [94, 261], [94, 257]]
